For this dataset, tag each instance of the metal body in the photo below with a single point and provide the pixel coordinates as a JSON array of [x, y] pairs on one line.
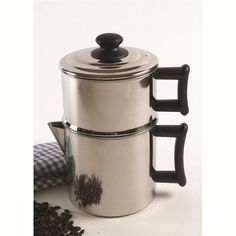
[[108, 126], [108, 106], [113, 175], [121, 166], [108, 176]]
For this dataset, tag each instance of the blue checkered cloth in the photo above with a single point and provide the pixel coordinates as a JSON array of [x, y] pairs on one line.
[[50, 168]]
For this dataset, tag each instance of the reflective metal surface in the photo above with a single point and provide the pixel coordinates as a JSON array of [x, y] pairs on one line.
[[107, 106], [109, 177], [106, 135], [58, 131], [81, 64]]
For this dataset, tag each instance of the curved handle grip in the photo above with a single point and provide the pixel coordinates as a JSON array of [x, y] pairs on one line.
[[179, 132], [173, 73]]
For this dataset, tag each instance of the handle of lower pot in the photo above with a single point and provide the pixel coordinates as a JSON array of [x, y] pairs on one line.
[[173, 73], [178, 175]]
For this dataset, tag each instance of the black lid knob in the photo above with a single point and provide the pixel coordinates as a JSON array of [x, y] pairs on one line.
[[109, 40], [109, 50]]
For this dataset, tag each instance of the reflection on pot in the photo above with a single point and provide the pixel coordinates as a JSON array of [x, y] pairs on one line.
[[87, 190]]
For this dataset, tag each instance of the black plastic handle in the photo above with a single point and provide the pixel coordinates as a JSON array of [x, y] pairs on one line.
[[178, 175], [173, 73]]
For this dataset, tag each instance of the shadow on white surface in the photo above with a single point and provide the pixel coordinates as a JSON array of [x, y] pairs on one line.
[[170, 213], [58, 196]]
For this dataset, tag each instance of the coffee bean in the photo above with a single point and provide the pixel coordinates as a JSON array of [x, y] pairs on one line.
[[48, 222], [66, 211], [77, 228], [44, 205], [81, 232], [56, 208]]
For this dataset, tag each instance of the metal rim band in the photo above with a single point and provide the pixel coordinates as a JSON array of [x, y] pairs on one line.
[[92, 133], [104, 78]]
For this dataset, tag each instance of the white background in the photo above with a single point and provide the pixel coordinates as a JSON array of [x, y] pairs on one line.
[[16, 102], [169, 29]]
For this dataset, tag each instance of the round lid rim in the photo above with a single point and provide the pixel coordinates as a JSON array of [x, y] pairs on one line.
[[123, 70], [109, 77]]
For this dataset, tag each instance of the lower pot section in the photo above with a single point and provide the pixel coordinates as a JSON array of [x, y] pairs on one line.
[[109, 177], [113, 175]]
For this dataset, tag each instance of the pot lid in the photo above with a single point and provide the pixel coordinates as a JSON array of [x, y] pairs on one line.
[[109, 61]]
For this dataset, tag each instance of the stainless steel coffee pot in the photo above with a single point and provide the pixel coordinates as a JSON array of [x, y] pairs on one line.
[[109, 122]]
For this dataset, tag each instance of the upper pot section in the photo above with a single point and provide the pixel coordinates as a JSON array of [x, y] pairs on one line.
[[109, 61]]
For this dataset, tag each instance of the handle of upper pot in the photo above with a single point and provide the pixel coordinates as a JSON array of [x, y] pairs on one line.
[[173, 73], [178, 175]]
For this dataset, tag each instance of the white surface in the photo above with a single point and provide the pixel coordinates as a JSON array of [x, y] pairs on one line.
[[173, 212], [171, 30]]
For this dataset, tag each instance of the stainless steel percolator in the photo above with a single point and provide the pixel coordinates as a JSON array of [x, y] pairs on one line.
[[109, 122]]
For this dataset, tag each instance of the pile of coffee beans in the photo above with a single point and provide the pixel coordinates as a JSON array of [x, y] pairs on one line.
[[49, 222]]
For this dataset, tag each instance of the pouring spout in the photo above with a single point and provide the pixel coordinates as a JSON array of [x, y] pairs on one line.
[[58, 131]]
